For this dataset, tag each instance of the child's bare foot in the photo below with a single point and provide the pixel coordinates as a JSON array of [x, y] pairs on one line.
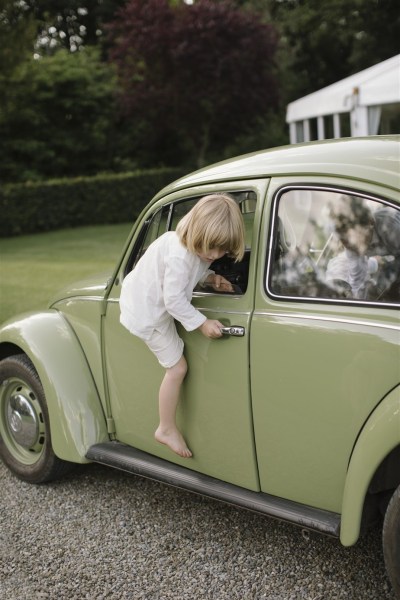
[[174, 440]]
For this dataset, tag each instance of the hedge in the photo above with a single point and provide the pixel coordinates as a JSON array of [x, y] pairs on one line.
[[57, 204]]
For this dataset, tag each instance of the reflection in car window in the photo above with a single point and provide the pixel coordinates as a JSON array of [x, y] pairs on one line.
[[335, 245]]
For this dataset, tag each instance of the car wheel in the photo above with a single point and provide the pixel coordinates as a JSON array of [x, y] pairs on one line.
[[391, 541], [25, 440]]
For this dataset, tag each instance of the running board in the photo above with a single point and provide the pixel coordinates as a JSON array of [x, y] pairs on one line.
[[126, 458]]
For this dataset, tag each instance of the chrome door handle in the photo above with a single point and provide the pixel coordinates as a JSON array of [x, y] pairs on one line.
[[233, 330]]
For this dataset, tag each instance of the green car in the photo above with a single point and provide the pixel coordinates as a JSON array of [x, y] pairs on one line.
[[295, 411]]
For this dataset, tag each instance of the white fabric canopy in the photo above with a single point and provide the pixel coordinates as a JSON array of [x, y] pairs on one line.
[[376, 85]]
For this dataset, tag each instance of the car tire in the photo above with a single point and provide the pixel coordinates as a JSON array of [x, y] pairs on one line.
[[25, 438], [391, 541]]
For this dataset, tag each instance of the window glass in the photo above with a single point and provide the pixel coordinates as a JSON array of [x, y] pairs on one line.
[[152, 229], [345, 125], [389, 119], [313, 125], [180, 209], [328, 126], [299, 131], [333, 245]]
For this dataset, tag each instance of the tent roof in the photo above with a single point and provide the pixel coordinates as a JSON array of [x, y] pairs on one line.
[[376, 85]]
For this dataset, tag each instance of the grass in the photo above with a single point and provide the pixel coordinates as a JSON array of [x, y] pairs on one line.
[[34, 267]]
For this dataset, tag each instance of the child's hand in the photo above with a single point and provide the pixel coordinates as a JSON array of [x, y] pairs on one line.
[[219, 283], [211, 328]]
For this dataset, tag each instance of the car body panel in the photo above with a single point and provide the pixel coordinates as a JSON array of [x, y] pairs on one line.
[[76, 416], [342, 361], [355, 159], [93, 287], [340, 369], [84, 315], [379, 436], [215, 412]]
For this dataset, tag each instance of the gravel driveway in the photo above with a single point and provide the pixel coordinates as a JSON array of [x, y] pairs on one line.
[[102, 534]]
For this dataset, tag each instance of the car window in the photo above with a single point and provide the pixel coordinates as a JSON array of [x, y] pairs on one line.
[[247, 201], [151, 230], [180, 209], [335, 245], [167, 219]]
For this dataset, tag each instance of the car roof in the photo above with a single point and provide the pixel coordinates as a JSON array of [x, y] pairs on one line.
[[372, 159]]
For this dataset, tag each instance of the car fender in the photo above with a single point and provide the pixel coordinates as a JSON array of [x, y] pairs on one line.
[[379, 436], [76, 416]]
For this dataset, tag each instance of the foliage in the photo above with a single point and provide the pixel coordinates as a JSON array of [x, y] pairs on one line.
[[17, 35], [199, 82], [193, 77], [58, 118], [32, 207], [268, 131], [71, 25], [323, 42]]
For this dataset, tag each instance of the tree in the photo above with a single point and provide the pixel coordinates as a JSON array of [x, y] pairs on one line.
[[325, 41], [17, 35], [194, 77], [58, 118], [71, 25]]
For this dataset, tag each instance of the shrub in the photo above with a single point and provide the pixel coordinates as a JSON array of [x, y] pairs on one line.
[[57, 204]]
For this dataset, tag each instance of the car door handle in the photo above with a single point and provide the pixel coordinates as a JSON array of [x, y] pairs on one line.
[[233, 330]]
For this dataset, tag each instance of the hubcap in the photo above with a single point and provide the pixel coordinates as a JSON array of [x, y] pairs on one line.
[[23, 421], [22, 424]]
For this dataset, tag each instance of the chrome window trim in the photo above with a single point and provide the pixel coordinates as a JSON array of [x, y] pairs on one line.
[[316, 317], [274, 213]]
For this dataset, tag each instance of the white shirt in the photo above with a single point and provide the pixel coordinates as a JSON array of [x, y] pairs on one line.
[[352, 268], [160, 288]]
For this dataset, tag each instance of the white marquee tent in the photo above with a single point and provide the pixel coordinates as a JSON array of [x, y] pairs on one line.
[[352, 106]]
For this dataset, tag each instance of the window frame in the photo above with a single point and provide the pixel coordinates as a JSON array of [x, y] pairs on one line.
[[168, 209], [272, 228]]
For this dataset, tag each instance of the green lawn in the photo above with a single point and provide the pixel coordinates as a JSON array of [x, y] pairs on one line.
[[34, 267]]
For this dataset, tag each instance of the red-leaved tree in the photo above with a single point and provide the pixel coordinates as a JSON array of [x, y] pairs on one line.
[[192, 77]]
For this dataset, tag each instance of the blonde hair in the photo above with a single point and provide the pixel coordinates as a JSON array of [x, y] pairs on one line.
[[215, 221]]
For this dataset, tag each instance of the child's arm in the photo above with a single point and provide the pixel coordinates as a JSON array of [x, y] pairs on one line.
[[176, 302]]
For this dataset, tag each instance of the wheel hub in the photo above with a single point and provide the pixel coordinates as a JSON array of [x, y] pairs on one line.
[[23, 421]]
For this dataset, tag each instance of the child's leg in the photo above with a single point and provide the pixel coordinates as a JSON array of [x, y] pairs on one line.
[[167, 431]]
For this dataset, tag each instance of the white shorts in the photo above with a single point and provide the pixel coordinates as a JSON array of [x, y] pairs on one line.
[[166, 344]]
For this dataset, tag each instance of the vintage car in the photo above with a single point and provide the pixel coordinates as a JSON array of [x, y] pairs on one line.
[[295, 411]]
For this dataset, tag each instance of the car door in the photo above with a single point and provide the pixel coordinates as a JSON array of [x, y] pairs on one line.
[[324, 346], [215, 412]]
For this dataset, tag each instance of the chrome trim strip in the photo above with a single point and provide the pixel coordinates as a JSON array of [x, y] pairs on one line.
[[85, 298], [332, 301], [137, 462], [326, 319], [245, 313], [208, 294]]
